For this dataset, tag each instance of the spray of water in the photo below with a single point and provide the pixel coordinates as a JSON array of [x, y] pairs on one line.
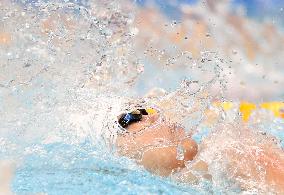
[[68, 70]]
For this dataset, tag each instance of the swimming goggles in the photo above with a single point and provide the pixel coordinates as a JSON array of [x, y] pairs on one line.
[[125, 119]]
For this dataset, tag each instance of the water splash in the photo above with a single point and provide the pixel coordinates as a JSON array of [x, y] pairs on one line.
[[68, 70]]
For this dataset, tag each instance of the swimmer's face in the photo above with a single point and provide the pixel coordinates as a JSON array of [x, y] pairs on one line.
[[153, 141]]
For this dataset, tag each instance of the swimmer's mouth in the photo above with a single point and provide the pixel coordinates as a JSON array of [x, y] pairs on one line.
[[126, 119]]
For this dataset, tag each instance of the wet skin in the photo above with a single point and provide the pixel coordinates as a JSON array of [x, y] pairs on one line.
[[155, 148], [154, 144]]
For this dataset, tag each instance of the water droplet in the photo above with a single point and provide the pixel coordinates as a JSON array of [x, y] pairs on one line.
[[180, 152], [234, 52]]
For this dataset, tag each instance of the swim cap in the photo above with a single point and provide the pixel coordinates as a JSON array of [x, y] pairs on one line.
[[125, 119]]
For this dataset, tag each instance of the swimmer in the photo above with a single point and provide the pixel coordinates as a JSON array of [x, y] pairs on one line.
[[155, 143]]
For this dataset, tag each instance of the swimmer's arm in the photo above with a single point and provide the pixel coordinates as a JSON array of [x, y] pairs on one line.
[[163, 160], [270, 159], [193, 173], [274, 161]]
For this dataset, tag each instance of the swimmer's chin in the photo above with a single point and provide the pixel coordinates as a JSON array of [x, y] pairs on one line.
[[156, 147]]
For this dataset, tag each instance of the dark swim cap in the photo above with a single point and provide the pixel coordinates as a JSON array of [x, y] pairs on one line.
[[128, 118]]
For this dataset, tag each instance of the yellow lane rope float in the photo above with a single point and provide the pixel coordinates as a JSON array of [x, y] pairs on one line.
[[246, 108]]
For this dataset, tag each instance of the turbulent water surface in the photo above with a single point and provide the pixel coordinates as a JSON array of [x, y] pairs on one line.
[[67, 69]]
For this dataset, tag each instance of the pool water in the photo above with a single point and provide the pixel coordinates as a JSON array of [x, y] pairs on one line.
[[68, 68], [84, 168], [69, 169]]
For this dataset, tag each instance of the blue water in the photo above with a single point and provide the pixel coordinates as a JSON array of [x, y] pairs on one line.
[[82, 169]]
